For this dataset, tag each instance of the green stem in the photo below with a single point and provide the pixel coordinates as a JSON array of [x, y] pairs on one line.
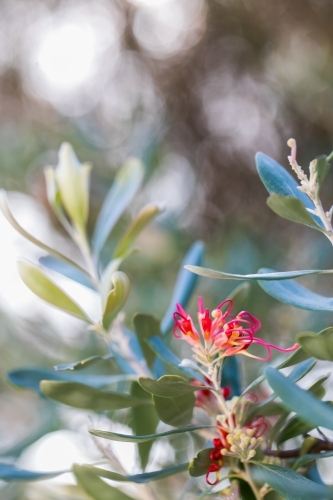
[[248, 479]]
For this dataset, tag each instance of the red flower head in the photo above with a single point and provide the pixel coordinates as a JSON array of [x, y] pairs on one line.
[[221, 332]]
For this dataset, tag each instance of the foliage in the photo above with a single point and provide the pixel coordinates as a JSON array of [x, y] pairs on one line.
[[240, 431]]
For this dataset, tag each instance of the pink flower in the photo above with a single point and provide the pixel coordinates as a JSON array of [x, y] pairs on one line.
[[223, 332]]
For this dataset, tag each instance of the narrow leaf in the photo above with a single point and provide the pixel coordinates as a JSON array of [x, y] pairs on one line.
[[146, 326], [292, 209], [86, 397], [300, 401], [82, 364], [116, 298], [67, 270], [199, 465], [146, 477], [177, 411], [11, 219], [296, 295], [42, 286], [305, 459], [290, 485], [125, 185], [185, 284], [114, 436], [95, 487], [231, 376], [9, 472], [263, 275], [144, 217], [278, 180], [31, 378], [322, 168]]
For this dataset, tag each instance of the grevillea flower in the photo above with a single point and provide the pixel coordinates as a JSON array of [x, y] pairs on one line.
[[221, 332]]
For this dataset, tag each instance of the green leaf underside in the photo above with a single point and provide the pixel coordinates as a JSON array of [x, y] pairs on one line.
[[320, 346], [95, 487], [144, 421], [169, 386], [305, 459], [146, 477], [116, 298], [145, 327], [126, 183], [292, 209], [42, 286], [114, 436], [296, 295], [290, 485], [86, 397], [199, 465], [322, 169], [176, 411], [267, 275], [9, 472], [300, 401]]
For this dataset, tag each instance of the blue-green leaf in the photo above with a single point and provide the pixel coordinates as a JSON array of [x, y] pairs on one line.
[[31, 378], [114, 436], [296, 295], [125, 185], [136, 478], [290, 485], [9, 472], [66, 269], [185, 284], [278, 180], [264, 274], [305, 459], [231, 375], [309, 408], [165, 354], [95, 487]]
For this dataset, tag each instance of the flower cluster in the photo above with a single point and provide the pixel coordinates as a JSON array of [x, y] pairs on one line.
[[221, 333]]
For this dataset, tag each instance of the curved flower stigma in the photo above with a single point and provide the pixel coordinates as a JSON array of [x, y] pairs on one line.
[[221, 333]]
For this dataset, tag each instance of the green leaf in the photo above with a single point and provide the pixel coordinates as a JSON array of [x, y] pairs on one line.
[[296, 426], [269, 275], [95, 487], [318, 345], [292, 209], [305, 459], [9, 472], [290, 485], [146, 477], [169, 386], [240, 295], [144, 421], [125, 185], [145, 327], [300, 401], [82, 364], [86, 397], [144, 217], [114, 436], [278, 180], [11, 219], [116, 298], [322, 168], [175, 411], [35, 279], [185, 284], [296, 295], [199, 465]]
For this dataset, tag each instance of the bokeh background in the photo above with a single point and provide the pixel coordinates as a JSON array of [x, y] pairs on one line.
[[192, 87]]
